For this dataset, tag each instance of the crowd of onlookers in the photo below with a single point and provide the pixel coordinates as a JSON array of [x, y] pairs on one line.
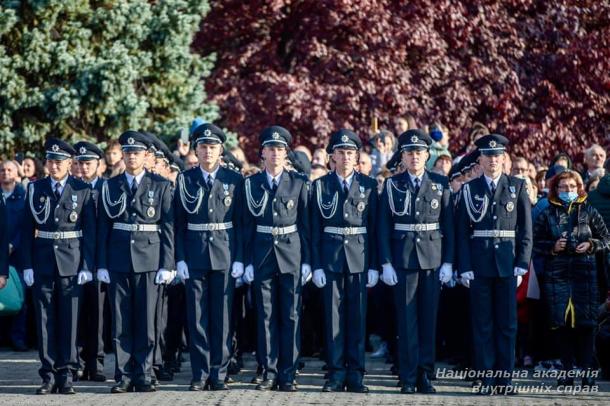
[[539, 345]]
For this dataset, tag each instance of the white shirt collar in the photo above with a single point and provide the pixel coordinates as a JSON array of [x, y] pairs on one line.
[[413, 177], [138, 178], [61, 182], [489, 180], [270, 178], [94, 182], [349, 179], [212, 174]]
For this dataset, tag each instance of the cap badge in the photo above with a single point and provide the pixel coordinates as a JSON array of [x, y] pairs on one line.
[[492, 144], [414, 138], [131, 141], [275, 136], [55, 148], [83, 150], [344, 138], [207, 133]]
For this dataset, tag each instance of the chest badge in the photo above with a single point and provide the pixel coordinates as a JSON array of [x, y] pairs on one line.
[[150, 212], [434, 204], [361, 206], [510, 206], [290, 204], [73, 216], [227, 201]]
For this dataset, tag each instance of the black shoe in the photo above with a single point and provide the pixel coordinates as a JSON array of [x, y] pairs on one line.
[[265, 384], [288, 387], [97, 377], [408, 389], [45, 389], [218, 386], [423, 384], [122, 387], [20, 346], [332, 386], [483, 390], [146, 388], [360, 388], [233, 368], [197, 386], [67, 389]]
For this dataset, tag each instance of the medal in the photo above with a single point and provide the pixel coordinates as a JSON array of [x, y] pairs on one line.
[[42, 199], [227, 201], [150, 212], [73, 216], [74, 203], [434, 204], [440, 193], [512, 192], [434, 186], [151, 200], [226, 191], [290, 204], [510, 206], [361, 207], [362, 192]]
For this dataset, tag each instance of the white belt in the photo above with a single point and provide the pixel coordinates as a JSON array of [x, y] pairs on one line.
[[277, 230], [135, 227], [416, 227], [345, 230], [209, 226], [59, 235], [493, 233]]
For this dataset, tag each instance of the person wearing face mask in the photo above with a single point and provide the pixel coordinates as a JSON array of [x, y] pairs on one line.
[[568, 233]]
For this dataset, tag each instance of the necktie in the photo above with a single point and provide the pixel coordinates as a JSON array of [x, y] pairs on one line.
[[134, 187], [416, 182], [274, 185], [492, 187], [210, 182], [57, 190], [345, 187]]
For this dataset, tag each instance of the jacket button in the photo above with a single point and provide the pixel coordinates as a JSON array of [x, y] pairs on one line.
[[345, 242], [345, 215], [211, 210], [211, 238], [417, 199], [133, 214], [418, 239], [496, 246], [56, 220], [274, 200], [133, 241], [275, 213], [494, 203], [417, 213], [133, 201], [275, 242], [495, 217], [55, 246]]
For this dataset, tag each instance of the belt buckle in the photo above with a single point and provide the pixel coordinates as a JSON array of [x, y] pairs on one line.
[[274, 231], [418, 227], [212, 227], [56, 235], [496, 233], [348, 231]]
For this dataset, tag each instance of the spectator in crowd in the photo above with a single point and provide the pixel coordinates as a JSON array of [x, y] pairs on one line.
[[442, 163], [405, 123], [365, 165], [320, 157], [114, 159], [382, 143], [239, 155], [101, 168], [439, 147], [190, 161], [600, 196], [14, 197], [32, 170], [305, 150], [562, 159], [541, 181], [183, 148], [508, 164], [592, 183], [568, 233], [595, 156], [532, 171], [520, 167]]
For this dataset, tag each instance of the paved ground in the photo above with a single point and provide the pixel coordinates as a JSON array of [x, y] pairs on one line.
[[19, 380]]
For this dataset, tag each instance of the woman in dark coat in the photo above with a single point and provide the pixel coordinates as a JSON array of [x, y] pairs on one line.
[[568, 233]]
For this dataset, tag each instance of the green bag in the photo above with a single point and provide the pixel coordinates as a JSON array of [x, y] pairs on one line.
[[12, 296]]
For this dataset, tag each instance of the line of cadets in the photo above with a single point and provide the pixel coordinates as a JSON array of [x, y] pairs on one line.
[[127, 237]]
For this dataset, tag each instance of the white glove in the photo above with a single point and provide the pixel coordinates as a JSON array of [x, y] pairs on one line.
[[520, 271], [28, 276], [163, 277], [237, 270], [372, 278], [182, 270], [519, 280], [319, 278], [239, 282], [249, 274], [467, 277], [305, 273], [84, 277], [389, 275], [103, 275], [445, 273]]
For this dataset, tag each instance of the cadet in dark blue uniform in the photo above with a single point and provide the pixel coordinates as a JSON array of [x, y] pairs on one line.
[[343, 241], [494, 240], [93, 300], [415, 229], [135, 252], [58, 256], [209, 254], [4, 244], [277, 240]]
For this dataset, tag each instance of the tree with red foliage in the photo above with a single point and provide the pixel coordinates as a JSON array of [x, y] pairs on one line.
[[535, 70]]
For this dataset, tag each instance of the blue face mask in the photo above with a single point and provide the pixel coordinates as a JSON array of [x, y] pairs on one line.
[[436, 135], [568, 197]]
